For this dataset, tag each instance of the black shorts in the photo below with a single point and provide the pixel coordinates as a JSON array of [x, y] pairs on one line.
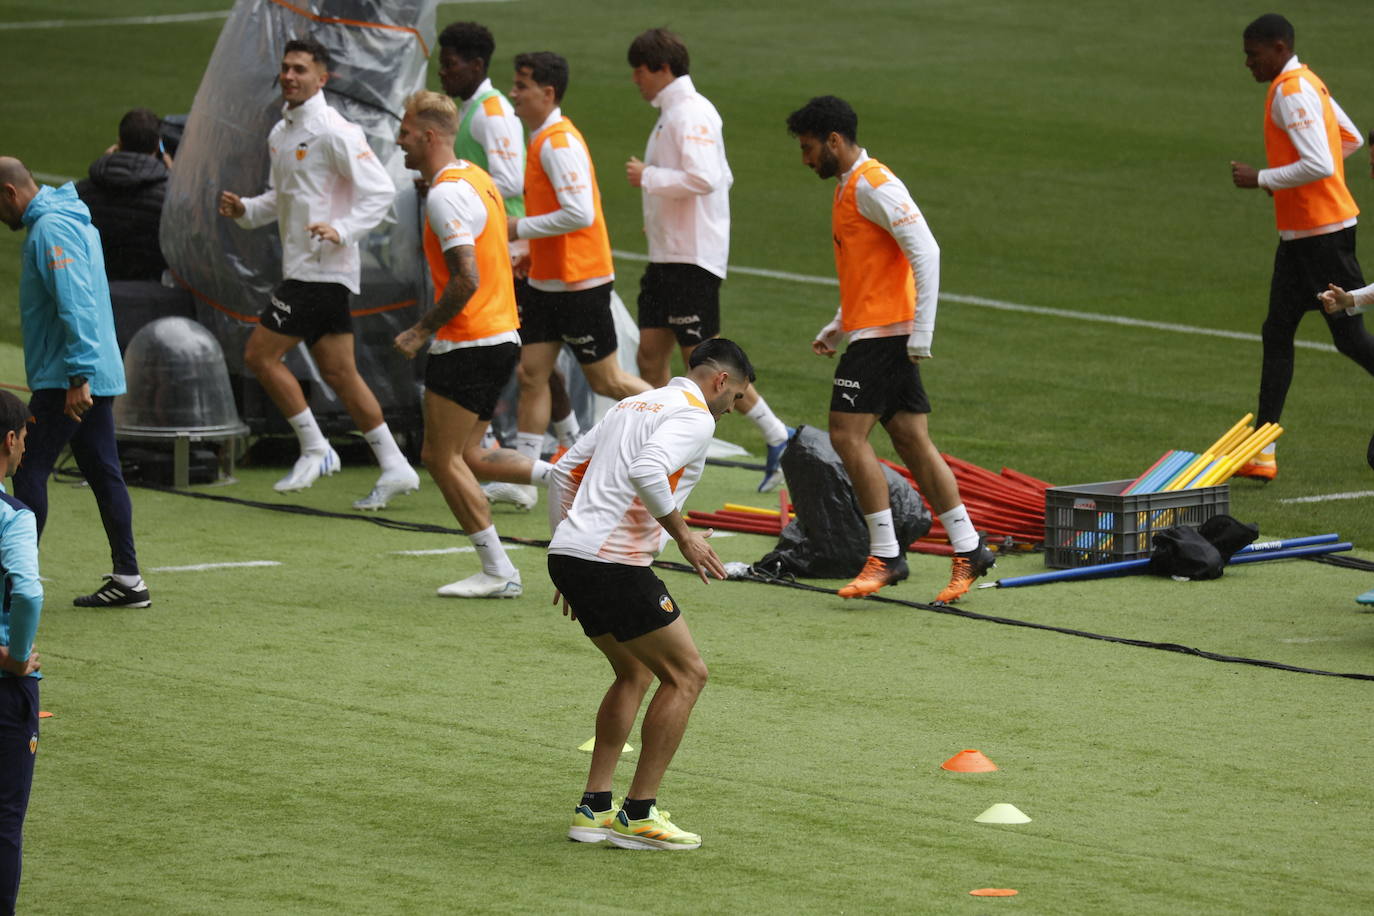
[[308, 310], [683, 297], [876, 376], [581, 319], [625, 601], [472, 377]]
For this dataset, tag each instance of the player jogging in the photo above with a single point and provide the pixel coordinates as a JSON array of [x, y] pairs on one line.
[[615, 498], [889, 270]]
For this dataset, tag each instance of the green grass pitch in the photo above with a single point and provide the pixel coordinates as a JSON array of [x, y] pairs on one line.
[[325, 736]]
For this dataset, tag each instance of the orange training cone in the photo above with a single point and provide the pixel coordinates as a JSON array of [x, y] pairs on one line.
[[993, 892], [969, 761]]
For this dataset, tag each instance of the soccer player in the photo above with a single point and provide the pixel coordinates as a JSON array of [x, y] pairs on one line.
[[326, 191], [889, 270], [72, 362], [1306, 139], [615, 498], [490, 136], [570, 269], [685, 179], [22, 606], [474, 325]]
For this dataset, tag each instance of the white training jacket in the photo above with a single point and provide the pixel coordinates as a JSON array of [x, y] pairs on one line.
[[1309, 139], [892, 207], [686, 181], [503, 139], [323, 171], [635, 466]]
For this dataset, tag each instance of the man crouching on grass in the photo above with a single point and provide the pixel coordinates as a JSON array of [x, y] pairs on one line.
[[614, 500]]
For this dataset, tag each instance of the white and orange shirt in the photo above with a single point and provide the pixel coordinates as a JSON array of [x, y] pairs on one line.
[[496, 131], [570, 248], [464, 207], [686, 181], [635, 466], [1306, 139], [322, 171], [887, 260]]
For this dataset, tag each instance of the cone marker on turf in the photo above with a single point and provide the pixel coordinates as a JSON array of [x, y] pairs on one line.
[[1002, 813], [590, 744], [993, 892], [969, 761]]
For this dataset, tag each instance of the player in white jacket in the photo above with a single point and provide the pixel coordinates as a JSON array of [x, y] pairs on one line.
[[327, 190], [685, 179]]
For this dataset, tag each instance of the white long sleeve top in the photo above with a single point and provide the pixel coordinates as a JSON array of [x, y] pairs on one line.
[[1292, 113], [640, 462], [686, 181], [503, 139], [892, 207], [322, 171]]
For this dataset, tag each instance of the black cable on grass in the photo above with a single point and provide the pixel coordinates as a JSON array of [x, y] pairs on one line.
[[1342, 560], [425, 528]]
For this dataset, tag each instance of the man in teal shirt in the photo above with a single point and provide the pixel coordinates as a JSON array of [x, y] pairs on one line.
[[22, 606], [73, 366]]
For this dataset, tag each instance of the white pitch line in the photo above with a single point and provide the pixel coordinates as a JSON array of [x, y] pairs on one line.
[[1329, 497], [1006, 306], [201, 567], [443, 550], [123, 20]]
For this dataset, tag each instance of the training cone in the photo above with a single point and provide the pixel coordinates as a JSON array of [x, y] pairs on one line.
[[590, 743], [993, 892], [1366, 598], [969, 761], [44, 714], [1002, 813]]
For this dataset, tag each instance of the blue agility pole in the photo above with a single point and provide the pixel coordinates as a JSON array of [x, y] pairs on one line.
[[1260, 550]]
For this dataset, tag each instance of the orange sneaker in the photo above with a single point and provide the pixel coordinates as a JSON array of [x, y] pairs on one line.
[[1261, 467], [967, 567], [877, 572]]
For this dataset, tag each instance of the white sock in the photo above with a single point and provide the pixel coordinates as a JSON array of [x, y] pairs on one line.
[[882, 537], [529, 444], [1269, 450], [960, 529], [384, 447], [308, 432], [539, 473], [489, 440], [492, 553], [567, 429], [774, 430], [134, 582]]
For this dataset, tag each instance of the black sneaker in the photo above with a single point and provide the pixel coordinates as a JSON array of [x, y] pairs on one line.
[[112, 594]]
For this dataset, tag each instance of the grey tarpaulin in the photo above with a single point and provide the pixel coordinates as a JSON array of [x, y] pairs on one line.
[[829, 539], [380, 50]]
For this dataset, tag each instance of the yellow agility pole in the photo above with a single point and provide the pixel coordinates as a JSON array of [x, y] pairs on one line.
[[1219, 447], [1248, 449], [755, 510], [1234, 440]]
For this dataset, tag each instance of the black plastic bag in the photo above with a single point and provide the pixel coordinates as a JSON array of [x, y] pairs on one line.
[[828, 539], [1202, 552]]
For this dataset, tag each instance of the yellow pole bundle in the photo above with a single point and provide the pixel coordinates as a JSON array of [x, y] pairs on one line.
[[1240, 455], [1232, 436]]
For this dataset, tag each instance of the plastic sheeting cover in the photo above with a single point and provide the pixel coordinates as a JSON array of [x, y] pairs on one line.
[[829, 539], [380, 51]]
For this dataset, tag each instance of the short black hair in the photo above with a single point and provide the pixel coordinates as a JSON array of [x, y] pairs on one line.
[[469, 40], [1270, 27], [659, 48], [14, 415], [547, 69], [723, 353], [140, 131], [822, 116], [312, 47]]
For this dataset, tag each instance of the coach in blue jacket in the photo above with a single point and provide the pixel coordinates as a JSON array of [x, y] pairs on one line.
[[73, 366]]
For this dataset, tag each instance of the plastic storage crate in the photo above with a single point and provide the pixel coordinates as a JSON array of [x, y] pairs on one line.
[[1094, 523]]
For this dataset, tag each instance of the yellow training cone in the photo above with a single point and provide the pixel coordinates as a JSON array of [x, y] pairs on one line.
[[590, 743], [1002, 814]]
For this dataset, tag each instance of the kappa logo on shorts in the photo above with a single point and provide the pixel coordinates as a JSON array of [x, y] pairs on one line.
[[666, 603]]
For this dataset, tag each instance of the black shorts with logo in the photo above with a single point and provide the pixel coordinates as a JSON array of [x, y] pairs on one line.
[[472, 377], [579, 318], [625, 601], [308, 310], [683, 297], [876, 376]]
